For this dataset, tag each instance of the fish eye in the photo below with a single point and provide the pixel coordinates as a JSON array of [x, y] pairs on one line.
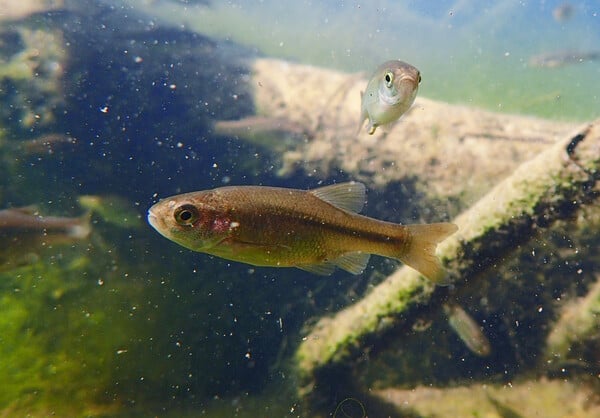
[[389, 78], [419, 79], [186, 215]]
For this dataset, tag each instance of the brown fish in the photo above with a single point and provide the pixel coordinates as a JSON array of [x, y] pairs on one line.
[[312, 230], [23, 233]]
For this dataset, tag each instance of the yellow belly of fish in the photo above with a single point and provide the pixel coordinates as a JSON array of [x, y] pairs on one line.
[[289, 250]]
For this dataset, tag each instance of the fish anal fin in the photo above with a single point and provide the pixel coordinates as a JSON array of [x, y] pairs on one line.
[[355, 262], [323, 269], [349, 196]]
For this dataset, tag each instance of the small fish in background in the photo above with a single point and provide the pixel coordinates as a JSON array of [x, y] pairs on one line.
[[45, 144], [390, 92], [467, 330], [24, 233], [562, 58], [563, 12], [276, 134], [113, 210], [314, 230]]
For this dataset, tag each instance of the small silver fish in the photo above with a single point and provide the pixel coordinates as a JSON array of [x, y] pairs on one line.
[[467, 329], [390, 92]]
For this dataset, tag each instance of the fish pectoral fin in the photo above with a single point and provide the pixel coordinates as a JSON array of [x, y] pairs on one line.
[[354, 263], [371, 127], [323, 269], [349, 196]]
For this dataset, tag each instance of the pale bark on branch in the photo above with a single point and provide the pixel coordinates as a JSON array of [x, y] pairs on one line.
[[547, 188]]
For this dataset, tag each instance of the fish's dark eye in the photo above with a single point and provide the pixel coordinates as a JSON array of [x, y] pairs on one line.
[[419, 78], [389, 78], [186, 215]]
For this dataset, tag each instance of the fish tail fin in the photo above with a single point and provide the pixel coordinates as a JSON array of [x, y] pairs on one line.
[[421, 253], [83, 228]]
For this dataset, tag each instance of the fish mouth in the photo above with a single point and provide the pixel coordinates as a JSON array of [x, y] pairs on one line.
[[409, 79], [153, 219]]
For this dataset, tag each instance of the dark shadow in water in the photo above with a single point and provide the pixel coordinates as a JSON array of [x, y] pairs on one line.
[[140, 100]]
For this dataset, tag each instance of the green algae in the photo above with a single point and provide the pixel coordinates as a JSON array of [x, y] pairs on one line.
[[44, 352], [114, 210], [31, 78]]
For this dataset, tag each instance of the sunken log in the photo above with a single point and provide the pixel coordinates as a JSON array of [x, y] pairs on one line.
[[550, 187]]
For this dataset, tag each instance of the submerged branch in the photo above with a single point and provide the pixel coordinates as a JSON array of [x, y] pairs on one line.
[[579, 322], [547, 188]]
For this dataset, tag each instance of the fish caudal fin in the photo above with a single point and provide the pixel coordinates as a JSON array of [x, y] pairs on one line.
[[421, 254], [81, 229]]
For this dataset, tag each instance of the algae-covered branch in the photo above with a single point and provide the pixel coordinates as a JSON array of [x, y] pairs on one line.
[[549, 187]]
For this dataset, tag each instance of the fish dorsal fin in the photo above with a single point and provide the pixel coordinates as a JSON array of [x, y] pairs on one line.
[[354, 263], [323, 269], [349, 196], [26, 210]]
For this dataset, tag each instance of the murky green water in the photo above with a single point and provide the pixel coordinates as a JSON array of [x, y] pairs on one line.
[[128, 323], [467, 53]]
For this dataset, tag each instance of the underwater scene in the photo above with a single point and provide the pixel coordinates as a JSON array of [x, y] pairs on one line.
[[289, 209]]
